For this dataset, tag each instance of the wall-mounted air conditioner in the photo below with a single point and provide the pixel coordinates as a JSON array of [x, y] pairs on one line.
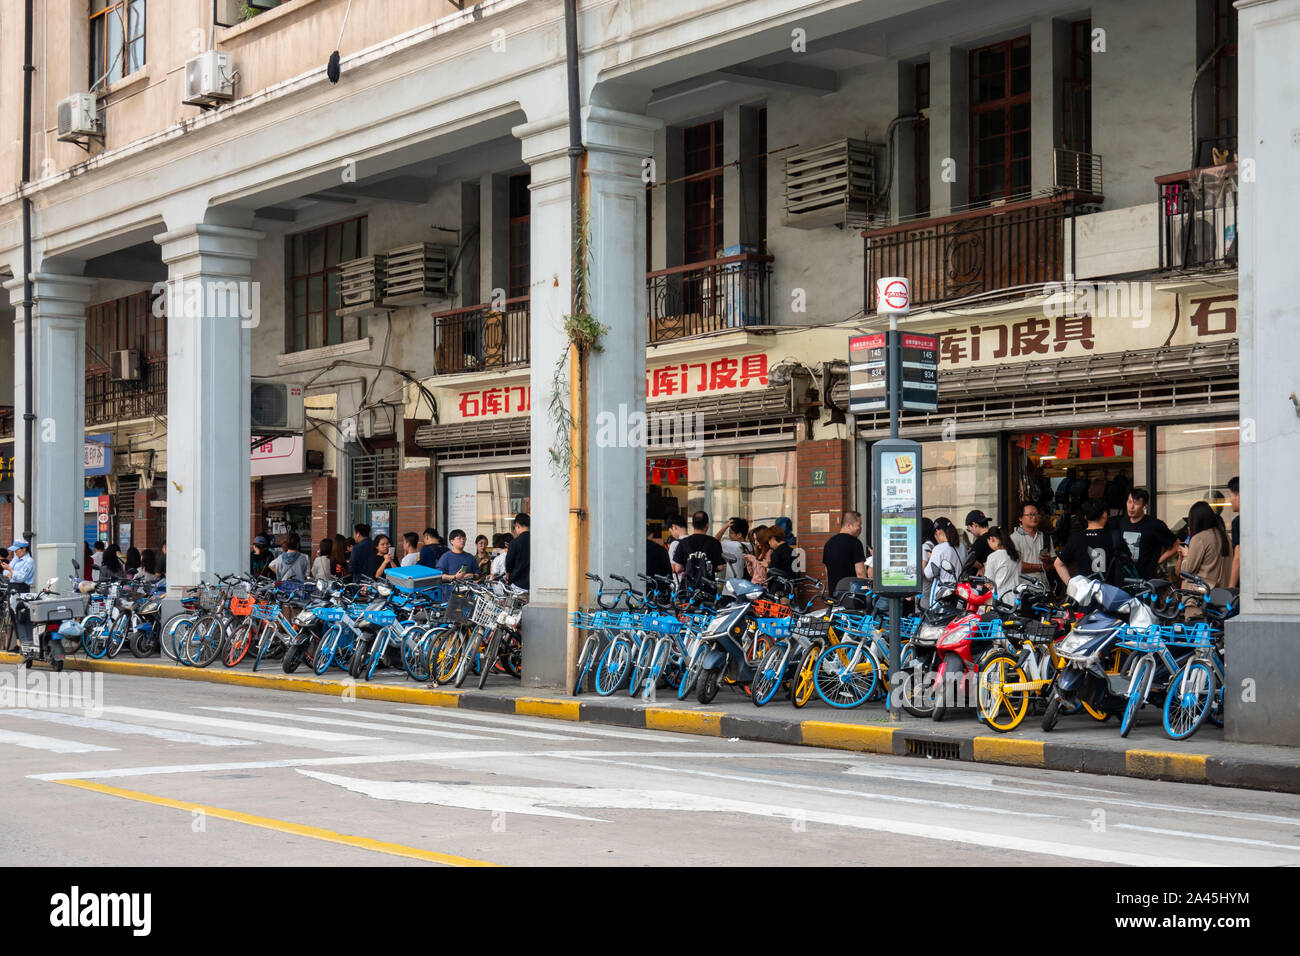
[[125, 365], [276, 409], [209, 79], [79, 118]]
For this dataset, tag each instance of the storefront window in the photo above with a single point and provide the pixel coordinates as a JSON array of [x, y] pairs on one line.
[[1194, 462], [485, 504], [758, 488], [959, 477]]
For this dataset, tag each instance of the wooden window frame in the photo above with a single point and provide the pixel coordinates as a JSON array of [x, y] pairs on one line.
[[702, 190], [300, 316], [1005, 104], [98, 22]]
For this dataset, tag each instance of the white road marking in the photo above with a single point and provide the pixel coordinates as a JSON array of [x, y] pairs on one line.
[[335, 722], [116, 727], [973, 779], [397, 718], [535, 800], [1200, 835], [570, 726], [320, 736], [52, 744]]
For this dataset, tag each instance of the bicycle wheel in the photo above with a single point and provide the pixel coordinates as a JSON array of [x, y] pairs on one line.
[[449, 655], [658, 663], [802, 684], [208, 636], [1001, 709], [270, 634], [589, 648], [168, 642], [93, 639], [1137, 692], [1188, 699], [240, 642], [328, 646], [692, 671], [143, 643], [490, 657], [841, 680], [117, 635], [768, 674], [614, 664], [641, 665], [469, 657], [414, 658]]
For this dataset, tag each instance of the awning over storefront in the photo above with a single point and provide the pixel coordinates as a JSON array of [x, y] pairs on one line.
[[1150, 384], [281, 489]]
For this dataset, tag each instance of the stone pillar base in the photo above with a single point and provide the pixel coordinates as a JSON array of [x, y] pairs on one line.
[[1261, 693]]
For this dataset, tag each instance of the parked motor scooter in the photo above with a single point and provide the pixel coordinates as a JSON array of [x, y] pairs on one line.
[[1083, 677], [721, 646], [37, 617], [963, 641]]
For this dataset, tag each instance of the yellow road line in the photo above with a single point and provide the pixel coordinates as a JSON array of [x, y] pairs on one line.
[[706, 723], [547, 707], [821, 733], [1165, 765], [1009, 750], [282, 826]]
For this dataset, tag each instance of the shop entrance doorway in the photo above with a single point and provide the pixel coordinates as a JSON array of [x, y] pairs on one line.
[[1059, 470]]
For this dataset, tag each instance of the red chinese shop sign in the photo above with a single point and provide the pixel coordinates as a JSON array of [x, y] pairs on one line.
[[682, 380]]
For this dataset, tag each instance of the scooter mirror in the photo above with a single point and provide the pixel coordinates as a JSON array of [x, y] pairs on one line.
[[52, 583], [947, 566]]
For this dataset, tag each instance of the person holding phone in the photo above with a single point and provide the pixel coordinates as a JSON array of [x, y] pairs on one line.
[[1034, 548]]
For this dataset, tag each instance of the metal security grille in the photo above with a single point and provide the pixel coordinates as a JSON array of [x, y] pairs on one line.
[[124, 507], [374, 486]]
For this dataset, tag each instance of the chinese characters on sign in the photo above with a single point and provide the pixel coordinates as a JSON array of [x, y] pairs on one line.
[[684, 379]]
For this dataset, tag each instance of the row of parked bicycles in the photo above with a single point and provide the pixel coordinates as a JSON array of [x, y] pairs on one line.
[[1100, 651]]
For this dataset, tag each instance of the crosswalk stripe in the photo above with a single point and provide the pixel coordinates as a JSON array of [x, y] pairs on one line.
[[117, 727], [395, 718], [579, 732], [206, 720], [255, 712], [52, 744]]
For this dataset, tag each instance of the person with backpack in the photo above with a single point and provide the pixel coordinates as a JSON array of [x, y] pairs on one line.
[[699, 542], [291, 564], [1092, 550]]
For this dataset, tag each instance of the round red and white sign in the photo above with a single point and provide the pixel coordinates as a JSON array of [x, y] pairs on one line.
[[893, 295]]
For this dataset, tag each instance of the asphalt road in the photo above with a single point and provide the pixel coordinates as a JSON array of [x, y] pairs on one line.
[[166, 772]]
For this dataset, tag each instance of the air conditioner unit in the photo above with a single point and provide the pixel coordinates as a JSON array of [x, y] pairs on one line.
[[209, 79], [79, 118], [276, 408], [126, 365]]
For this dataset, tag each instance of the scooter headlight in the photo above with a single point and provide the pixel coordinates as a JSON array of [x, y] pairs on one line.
[[304, 618], [1071, 643], [928, 634]]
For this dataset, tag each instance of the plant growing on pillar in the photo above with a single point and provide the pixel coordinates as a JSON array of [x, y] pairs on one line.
[[583, 333]]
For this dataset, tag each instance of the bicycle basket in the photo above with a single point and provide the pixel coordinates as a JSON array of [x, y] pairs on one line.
[[778, 627], [810, 627], [908, 625], [581, 620], [485, 612], [381, 616], [1198, 634], [764, 608], [460, 606], [241, 606], [1143, 639], [266, 612], [330, 615]]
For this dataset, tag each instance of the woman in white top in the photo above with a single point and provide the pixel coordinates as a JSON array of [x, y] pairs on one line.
[[320, 568], [1003, 566], [945, 535]]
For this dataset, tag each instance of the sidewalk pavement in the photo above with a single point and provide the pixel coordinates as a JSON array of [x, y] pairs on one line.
[[1078, 744]]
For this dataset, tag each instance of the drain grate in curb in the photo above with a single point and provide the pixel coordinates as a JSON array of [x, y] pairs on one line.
[[938, 749]]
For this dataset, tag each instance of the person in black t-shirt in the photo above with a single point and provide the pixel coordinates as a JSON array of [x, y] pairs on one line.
[[781, 558], [977, 526], [1148, 539], [656, 557], [1234, 497], [1090, 551], [517, 555], [844, 556], [699, 541]]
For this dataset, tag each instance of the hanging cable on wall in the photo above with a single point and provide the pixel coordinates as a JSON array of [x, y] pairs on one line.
[[333, 69]]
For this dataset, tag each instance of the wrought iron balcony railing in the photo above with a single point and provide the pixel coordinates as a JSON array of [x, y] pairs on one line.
[[478, 337], [1198, 218], [978, 251], [111, 401], [730, 292]]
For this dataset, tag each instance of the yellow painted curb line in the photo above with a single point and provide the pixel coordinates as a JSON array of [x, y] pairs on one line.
[[547, 707], [280, 826], [1165, 765], [1020, 753], [820, 733], [704, 723]]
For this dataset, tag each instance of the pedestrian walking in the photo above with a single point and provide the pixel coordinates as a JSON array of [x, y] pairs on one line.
[[844, 557]]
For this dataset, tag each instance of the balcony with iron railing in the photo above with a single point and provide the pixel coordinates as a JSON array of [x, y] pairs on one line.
[[1198, 218], [480, 337], [108, 400], [1011, 244], [730, 292]]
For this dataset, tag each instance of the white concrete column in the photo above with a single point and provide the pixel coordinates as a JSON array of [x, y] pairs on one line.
[[616, 145], [59, 392], [949, 132], [211, 308], [1263, 684], [1044, 102]]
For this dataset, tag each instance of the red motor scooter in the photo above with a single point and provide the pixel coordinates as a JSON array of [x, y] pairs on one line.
[[963, 641]]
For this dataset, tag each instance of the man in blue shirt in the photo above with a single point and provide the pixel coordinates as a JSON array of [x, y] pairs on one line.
[[456, 563], [432, 549], [363, 560], [20, 569]]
